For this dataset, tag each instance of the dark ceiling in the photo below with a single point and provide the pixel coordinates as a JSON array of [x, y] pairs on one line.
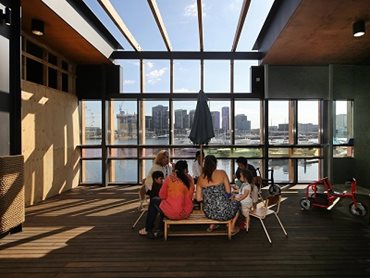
[[320, 32]]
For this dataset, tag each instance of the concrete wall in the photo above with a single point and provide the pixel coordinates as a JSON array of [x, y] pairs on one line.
[[297, 82], [336, 82], [50, 135]]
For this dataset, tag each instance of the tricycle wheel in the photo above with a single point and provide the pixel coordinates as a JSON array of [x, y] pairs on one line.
[[274, 189], [357, 209], [305, 203]]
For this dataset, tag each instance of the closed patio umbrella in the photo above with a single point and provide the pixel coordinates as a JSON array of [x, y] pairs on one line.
[[202, 128]]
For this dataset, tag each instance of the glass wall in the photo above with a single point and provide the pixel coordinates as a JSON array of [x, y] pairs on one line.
[[285, 137], [137, 129]]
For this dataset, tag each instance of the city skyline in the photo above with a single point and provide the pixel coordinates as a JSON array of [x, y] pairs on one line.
[[93, 109], [158, 121]]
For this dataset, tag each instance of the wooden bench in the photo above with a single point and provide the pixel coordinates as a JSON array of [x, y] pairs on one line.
[[196, 218]]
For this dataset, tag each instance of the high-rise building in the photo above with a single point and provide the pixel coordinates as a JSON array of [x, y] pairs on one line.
[[149, 123], [225, 118], [215, 119], [341, 125], [181, 119], [126, 125], [160, 119], [191, 117], [242, 123]]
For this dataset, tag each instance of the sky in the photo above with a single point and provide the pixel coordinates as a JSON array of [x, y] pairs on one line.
[[220, 19]]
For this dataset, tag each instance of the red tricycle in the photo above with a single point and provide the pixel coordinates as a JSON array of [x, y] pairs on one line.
[[321, 194]]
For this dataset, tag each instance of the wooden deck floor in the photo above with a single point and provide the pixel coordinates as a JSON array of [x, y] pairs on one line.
[[87, 233]]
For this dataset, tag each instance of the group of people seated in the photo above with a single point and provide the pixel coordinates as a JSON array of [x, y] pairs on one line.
[[171, 190]]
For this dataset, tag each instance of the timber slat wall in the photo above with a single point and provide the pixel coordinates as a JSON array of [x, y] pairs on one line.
[[87, 233]]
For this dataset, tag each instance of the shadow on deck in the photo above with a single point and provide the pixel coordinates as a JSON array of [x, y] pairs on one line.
[[87, 233]]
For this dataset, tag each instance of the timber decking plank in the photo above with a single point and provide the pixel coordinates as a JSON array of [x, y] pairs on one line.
[[87, 233]]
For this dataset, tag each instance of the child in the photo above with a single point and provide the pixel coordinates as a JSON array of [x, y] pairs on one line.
[[245, 195], [158, 178]]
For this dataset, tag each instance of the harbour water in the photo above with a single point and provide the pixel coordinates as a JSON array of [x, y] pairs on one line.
[[126, 171]]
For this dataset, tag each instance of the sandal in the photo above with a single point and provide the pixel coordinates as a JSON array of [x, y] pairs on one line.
[[143, 232], [211, 228]]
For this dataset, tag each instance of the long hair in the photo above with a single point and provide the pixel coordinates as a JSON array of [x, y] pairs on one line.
[[210, 165], [181, 169]]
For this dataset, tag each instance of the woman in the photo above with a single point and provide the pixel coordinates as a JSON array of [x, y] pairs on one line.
[[213, 188], [177, 193], [161, 163], [197, 165], [174, 201]]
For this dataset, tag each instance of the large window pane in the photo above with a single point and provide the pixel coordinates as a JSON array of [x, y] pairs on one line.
[[123, 122], [183, 118], [217, 76], [278, 122], [157, 77], [91, 127], [308, 170], [247, 122], [242, 76], [186, 76], [343, 121], [156, 123], [124, 171], [281, 169], [308, 122], [91, 171], [130, 79]]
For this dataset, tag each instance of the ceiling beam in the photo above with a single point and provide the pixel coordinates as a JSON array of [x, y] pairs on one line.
[[279, 15], [117, 20], [200, 24], [239, 28], [186, 55], [158, 18]]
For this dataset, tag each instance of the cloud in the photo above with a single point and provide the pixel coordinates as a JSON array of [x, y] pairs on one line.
[[128, 82], [149, 64], [154, 76], [191, 10]]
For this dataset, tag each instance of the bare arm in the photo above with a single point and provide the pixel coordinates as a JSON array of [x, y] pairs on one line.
[[199, 195]]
